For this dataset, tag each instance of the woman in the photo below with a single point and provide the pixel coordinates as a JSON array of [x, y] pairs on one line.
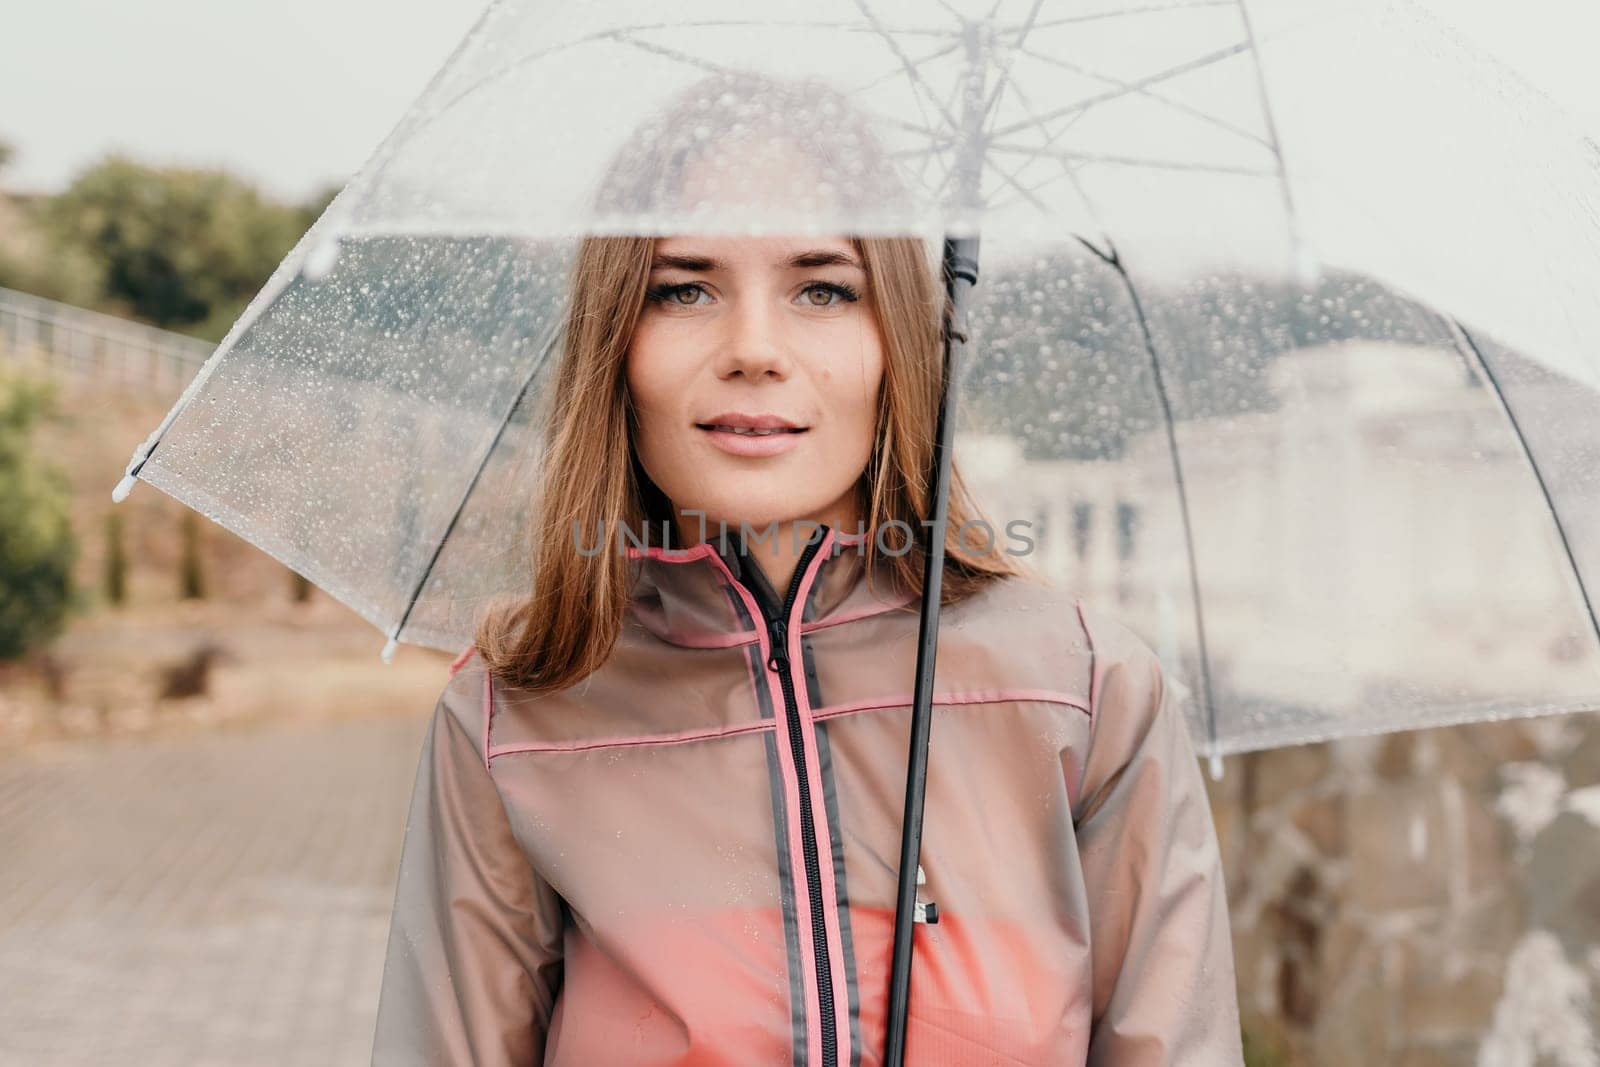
[[658, 812]]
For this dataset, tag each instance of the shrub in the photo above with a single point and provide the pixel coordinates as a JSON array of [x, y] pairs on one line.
[[37, 547]]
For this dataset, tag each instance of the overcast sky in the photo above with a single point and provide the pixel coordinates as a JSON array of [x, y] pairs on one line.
[[295, 94]]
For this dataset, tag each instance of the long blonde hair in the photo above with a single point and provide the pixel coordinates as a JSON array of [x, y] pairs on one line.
[[567, 625]]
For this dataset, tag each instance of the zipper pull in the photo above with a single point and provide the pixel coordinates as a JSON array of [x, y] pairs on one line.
[[925, 911], [780, 656]]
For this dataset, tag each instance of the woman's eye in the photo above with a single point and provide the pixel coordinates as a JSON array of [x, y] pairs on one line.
[[674, 294], [828, 289], [687, 294]]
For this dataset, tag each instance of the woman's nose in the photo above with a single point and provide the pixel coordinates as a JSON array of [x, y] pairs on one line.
[[755, 343]]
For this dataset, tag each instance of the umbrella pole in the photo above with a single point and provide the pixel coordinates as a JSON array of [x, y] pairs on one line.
[[960, 275]]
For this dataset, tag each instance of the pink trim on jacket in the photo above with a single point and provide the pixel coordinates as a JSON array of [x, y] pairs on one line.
[[831, 711], [677, 738], [791, 788], [981, 696], [673, 555], [839, 978]]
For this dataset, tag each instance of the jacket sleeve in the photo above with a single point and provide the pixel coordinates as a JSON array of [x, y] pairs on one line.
[[1162, 955], [474, 951]]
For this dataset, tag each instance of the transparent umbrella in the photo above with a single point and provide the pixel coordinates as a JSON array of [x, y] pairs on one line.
[[1284, 344]]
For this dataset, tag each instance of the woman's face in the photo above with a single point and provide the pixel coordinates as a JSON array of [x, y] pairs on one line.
[[756, 332]]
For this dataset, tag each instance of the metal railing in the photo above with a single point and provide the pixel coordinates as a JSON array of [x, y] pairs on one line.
[[72, 340]]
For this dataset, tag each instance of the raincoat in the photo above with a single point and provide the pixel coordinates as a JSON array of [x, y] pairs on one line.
[[690, 856]]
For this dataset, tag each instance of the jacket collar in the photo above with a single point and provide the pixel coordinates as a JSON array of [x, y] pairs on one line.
[[703, 596]]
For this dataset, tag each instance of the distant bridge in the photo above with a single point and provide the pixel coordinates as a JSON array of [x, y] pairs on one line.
[[72, 340]]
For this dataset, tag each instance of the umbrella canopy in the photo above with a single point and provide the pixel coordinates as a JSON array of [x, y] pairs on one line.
[[1284, 346]]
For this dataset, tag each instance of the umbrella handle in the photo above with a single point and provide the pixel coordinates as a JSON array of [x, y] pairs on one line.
[[960, 275]]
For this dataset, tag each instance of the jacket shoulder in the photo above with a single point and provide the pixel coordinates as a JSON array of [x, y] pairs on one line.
[[468, 696], [1129, 685], [1025, 632], [1018, 600], [1111, 640]]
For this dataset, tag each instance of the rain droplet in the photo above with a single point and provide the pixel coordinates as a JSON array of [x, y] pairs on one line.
[[320, 260]]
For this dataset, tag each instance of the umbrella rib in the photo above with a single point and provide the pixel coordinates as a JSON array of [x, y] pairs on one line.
[[926, 131], [625, 37], [933, 136], [1115, 261], [1177, 105], [1171, 72], [1031, 154], [539, 54], [1083, 194], [919, 89], [1146, 9], [472, 483], [1010, 60], [941, 53], [1014, 179], [1136, 161], [797, 24], [938, 143], [1073, 121], [1291, 219], [952, 142], [1027, 193], [905, 61], [1462, 338]]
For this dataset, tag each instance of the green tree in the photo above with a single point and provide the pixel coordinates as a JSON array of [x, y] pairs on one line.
[[31, 262], [37, 548], [68, 275], [182, 248]]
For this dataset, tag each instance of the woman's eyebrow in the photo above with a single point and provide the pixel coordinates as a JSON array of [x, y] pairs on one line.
[[667, 261], [815, 257], [824, 257]]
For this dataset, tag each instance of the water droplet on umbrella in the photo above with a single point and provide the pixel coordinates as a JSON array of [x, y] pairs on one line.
[[319, 262]]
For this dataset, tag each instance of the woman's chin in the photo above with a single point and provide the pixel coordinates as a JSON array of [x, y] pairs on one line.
[[756, 511]]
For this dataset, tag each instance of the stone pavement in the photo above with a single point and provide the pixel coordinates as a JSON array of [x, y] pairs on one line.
[[217, 898]]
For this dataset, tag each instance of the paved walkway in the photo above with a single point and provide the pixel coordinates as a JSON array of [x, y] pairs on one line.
[[204, 899]]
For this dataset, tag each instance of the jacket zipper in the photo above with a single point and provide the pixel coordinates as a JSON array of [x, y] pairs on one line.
[[779, 661]]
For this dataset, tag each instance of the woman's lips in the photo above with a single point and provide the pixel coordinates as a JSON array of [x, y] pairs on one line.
[[738, 444]]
